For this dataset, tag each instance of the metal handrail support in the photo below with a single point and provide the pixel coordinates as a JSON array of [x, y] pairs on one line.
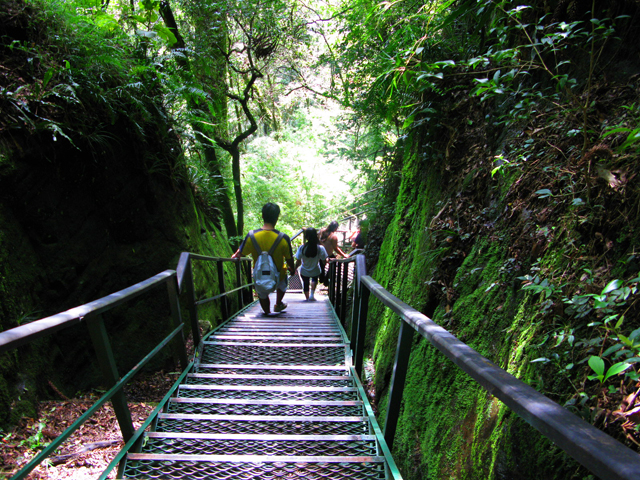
[[363, 311], [338, 290], [343, 292], [224, 308], [239, 284], [104, 353], [595, 450], [90, 313], [248, 292], [338, 297], [174, 305], [355, 313], [331, 273], [398, 377], [185, 280]]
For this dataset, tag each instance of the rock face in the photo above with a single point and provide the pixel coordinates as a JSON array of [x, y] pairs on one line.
[[93, 199], [507, 257]]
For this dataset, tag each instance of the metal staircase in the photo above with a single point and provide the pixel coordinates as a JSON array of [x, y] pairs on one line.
[[268, 398]]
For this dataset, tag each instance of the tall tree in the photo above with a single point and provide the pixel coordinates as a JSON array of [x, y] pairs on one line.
[[263, 35], [226, 48], [208, 71]]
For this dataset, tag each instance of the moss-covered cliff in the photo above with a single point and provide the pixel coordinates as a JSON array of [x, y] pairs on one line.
[[492, 236], [94, 197]]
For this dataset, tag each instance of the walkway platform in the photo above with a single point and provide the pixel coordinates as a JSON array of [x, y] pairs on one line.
[[270, 397]]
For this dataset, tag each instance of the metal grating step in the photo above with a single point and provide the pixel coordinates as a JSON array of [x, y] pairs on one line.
[[284, 319], [268, 380], [272, 369], [239, 354], [246, 446], [238, 424], [299, 331], [280, 338], [261, 469], [265, 393], [269, 398], [253, 407]]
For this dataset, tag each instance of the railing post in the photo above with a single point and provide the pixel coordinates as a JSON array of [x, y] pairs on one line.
[[174, 303], [343, 297], [223, 301], [355, 312], [248, 294], [332, 267], [336, 299], [190, 292], [398, 377], [102, 347], [362, 329], [238, 283]]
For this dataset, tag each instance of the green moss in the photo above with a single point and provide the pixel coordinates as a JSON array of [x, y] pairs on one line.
[[450, 428]]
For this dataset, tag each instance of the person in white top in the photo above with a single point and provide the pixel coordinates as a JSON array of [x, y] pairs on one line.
[[311, 258]]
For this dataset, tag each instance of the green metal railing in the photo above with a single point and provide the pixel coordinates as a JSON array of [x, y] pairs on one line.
[[350, 290], [598, 452], [177, 282]]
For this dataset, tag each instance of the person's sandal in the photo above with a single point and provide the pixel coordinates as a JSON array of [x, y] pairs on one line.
[[280, 307]]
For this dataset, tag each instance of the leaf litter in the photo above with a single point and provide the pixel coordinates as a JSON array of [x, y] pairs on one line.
[[90, 449]]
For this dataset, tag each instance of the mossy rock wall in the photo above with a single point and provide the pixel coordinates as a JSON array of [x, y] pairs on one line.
[[449, 426], [79, 239], [86, 214]]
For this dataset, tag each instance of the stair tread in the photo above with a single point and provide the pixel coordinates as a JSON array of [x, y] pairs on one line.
[[256, 458], [267, 398]]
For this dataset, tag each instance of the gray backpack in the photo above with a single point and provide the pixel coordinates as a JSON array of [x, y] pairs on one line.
[[266, 275]]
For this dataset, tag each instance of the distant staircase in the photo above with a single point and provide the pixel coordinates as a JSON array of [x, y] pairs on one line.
[[269, 398]]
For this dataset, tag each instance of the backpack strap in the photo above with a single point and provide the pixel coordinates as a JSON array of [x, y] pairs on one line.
[[255, 243], [273, 247], [275, 244]]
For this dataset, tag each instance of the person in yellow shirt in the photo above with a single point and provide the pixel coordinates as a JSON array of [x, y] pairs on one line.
[[265, 238]]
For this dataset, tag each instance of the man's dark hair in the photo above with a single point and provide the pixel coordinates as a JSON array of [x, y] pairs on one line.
[[270, 213], [333, 226]]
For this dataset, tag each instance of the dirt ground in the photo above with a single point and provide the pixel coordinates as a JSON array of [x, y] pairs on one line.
[[88, 452]]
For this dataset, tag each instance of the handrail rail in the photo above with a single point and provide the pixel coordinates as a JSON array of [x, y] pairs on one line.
[[225, 294], [177, 281], [600, 453], [22, 334], [297, 234], [185, 258], [55, 443]]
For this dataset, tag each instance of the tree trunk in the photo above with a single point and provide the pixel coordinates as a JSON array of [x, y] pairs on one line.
[[237, 188], [212, 161]]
